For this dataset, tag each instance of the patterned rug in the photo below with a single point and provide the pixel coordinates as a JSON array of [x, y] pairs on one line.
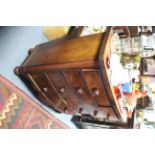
[[19, 111]]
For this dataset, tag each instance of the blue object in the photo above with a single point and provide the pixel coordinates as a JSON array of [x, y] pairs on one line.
[[127, 87]]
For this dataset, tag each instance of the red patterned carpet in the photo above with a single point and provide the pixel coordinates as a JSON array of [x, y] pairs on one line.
[[19, 111]]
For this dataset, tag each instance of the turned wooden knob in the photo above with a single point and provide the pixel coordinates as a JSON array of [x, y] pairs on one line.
[[62, 90], [95, 112], [79, 90], [67, 110], [96, 92], [45, 89], [108, 115], [16, 70], [30, 50], [80, 110], [108, 62]]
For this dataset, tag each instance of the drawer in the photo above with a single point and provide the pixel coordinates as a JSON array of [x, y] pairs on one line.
[[48, 95], [78, 87], [107, 113], [95, 85], [59, 106], [62, 87]]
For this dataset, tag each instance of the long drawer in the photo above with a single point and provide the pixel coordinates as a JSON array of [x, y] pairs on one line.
[[46, 92], [62, 87]]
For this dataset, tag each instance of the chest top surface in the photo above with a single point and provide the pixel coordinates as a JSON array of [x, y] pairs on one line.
[[79, 49]]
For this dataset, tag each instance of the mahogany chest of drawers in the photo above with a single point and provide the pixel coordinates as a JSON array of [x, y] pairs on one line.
[[70, 75]]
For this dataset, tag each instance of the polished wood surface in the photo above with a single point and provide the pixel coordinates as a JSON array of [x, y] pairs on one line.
[[104, 54], [70, 75], [81, 49], [96, 88], [125, 31]]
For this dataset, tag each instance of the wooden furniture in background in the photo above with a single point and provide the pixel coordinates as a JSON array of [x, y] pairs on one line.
[[127, 31], [134, 32], [123, 31], [88, 122], [146, 63]]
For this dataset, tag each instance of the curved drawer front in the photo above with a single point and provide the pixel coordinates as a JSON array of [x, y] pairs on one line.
[[79, 88], [95, 85], [62, 87], [42, 84]]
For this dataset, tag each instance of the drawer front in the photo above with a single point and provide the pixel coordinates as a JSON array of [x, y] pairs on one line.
[[60, 83], [96, 87], [107, 113], [42, 84], [59, 106], [78, 87]]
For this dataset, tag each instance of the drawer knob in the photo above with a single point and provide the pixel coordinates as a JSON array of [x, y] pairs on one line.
[[45, 89], [67, 110], [79, 90], [108, 115], [96, 92], [62, 90], [80, 110], [95, 112]]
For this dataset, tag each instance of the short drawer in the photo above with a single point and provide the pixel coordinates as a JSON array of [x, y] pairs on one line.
[[79, 88], [96, 88]]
